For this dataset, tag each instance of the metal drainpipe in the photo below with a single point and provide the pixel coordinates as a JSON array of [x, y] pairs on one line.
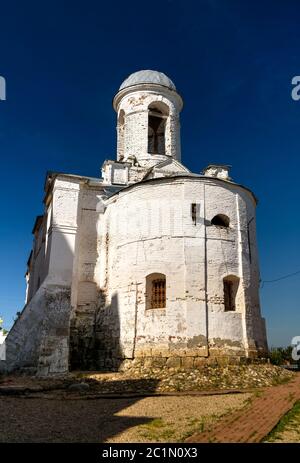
[[205, 268], [135, 320], [249, 244]]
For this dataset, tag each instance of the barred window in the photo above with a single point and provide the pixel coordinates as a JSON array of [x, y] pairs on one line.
[[158, 299], [156, 291]]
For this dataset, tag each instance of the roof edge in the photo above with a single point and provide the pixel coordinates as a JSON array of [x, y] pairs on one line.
[[189, 176]]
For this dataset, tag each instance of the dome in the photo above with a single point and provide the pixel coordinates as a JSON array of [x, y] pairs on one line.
[[148, 77]]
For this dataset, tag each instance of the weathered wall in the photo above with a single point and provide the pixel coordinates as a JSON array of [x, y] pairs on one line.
[[133, 139], [148, 228], [39, 339], [86, 304], [2, 352], [83, 350], [39, 262]]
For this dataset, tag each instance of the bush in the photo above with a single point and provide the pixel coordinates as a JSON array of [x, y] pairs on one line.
[[282, 356]]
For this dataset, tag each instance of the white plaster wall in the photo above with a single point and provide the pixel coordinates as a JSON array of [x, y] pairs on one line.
[[39, 338], [83, 280], [2, 346], [62, 233], [148, 228]]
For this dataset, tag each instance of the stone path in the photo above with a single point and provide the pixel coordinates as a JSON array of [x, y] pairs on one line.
[[259, 418]]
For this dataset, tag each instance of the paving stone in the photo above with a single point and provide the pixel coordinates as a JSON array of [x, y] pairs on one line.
[[253, 425]]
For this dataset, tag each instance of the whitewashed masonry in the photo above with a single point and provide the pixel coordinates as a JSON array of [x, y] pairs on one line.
[[149, 264]]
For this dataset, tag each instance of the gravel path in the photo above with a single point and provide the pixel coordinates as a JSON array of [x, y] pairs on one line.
[[160, 419]]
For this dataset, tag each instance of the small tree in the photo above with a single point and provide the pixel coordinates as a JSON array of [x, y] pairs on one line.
[[276, 356], [3, 330], [282, 356]]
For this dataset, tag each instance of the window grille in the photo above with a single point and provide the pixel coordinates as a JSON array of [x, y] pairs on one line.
[[158, 297]]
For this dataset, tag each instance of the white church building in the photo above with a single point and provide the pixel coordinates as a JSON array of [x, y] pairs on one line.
[[151, 263]]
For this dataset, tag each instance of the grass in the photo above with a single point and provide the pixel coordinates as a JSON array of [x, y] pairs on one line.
[[156, 423], [277, 381], [289, 422], [158, 430], [249, 401]]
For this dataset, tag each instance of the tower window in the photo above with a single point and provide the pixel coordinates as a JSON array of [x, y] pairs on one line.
[[195, 211], [156, 291], [157, 118], [230, 285], [121, 134], [221, 220]]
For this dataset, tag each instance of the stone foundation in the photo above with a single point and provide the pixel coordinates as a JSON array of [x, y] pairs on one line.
[[178, 363]]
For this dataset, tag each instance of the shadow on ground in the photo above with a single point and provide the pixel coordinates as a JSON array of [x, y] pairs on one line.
[[53, 419]]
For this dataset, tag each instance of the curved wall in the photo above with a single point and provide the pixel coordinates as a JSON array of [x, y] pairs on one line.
[[132, 126], [150, 228]]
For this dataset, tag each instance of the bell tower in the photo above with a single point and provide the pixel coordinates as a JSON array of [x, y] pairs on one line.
[[148, 126]]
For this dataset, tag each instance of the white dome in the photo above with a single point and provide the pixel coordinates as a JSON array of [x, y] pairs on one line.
[[148, 77]]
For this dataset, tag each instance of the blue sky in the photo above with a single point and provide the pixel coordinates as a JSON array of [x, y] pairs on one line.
[[232, 61]]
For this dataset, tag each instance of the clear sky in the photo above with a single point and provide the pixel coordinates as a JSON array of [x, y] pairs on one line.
[[232, 61]]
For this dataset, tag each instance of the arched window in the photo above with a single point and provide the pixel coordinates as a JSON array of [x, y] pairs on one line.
[[157, 117], [230, 285], [156, 291], [221, 220], [121, 135]]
